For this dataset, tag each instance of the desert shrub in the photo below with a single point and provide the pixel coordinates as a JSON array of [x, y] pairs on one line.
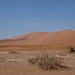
[[70, 48], [2, 59], [12, 52], [46, 62]]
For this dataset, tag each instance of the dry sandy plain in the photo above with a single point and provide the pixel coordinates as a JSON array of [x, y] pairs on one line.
[[15, 62]]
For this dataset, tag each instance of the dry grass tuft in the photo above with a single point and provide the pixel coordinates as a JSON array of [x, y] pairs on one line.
[[12, 52], [46, 62]]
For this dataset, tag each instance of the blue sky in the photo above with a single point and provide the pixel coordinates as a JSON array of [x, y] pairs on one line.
[[25, 16]]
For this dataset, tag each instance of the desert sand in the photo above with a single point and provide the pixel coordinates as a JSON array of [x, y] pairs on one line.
[[15, 63], [40, 40], [15, 51]]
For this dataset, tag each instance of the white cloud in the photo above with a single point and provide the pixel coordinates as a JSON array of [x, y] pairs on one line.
[[33, 24]]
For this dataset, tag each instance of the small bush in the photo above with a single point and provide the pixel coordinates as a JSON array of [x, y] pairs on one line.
[[2, 59], [70, 48], [46, 62], [12, 52]]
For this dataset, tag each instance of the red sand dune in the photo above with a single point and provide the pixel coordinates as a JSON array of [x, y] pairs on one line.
[[54, 39]]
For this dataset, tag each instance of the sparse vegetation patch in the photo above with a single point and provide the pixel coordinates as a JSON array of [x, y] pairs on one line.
[[12, 52], [70, 48], [46, 62]]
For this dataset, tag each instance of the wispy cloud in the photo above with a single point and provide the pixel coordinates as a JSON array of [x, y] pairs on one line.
[[33, 24]]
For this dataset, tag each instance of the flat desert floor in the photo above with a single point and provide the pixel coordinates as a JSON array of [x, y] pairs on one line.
[[15, 62]]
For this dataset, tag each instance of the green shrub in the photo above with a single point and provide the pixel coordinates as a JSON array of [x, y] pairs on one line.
[[46, 62], [70, 48]]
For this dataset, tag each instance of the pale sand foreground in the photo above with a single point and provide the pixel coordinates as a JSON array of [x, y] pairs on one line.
[[16, 63]]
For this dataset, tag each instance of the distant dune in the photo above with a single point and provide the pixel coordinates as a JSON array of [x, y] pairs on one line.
[[59, 39]]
